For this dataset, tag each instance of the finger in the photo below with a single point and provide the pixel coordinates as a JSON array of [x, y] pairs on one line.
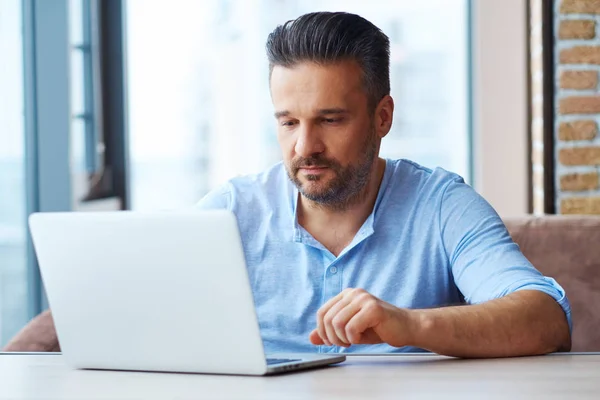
[[332, 301], [321, 329], [315, 338], [359, 329], [323, 311], [342, 317], [336, 334]]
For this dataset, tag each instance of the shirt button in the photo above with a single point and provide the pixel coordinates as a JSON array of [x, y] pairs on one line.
[[333, 270]]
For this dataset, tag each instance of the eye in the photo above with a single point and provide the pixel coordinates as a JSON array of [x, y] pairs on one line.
[[331, 120], [288, 123]]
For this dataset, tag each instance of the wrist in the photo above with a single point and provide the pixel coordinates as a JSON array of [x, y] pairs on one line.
[[419, 326]]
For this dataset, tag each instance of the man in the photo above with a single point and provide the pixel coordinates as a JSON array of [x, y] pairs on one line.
[[350, 252]]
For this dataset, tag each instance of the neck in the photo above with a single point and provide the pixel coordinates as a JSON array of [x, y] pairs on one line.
[[352, 212]]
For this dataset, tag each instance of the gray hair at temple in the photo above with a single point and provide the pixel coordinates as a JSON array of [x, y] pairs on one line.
[[331, 37]]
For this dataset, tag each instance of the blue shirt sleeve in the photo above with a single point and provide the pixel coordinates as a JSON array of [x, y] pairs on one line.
[[217, 199], [486, 263]]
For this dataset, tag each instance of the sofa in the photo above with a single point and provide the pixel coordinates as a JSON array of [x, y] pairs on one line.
[[566, 248]]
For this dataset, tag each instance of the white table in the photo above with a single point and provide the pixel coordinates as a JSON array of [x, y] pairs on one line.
[[558, 376]]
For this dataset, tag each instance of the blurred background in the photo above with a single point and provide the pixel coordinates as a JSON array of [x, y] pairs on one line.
[[149, 104]]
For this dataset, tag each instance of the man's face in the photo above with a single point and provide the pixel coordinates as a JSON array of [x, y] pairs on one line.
[[325, 131]]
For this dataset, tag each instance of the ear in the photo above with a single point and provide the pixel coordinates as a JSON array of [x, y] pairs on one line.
[[384, 115]]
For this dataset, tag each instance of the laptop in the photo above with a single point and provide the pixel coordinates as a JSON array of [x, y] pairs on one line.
[[163, 291]]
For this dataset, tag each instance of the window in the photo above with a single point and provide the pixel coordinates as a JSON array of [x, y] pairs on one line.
[[13, 252], [86, 145], [93, 147], [53, 117], [200, 110]]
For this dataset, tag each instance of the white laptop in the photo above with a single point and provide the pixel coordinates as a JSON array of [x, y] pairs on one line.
[[154, 292]]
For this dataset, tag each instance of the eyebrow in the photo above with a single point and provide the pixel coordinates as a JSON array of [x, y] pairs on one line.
[[328, 111], [280, 114], [324, 111]]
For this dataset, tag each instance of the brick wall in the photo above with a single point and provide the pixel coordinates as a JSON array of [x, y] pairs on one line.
[[577, 54]]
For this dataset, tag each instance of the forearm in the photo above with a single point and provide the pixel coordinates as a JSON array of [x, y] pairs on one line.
[[523, 323]]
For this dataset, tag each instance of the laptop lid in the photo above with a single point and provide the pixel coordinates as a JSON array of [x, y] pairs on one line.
[[149, 291]]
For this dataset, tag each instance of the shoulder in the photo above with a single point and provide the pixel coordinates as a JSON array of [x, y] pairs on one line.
[[408, 177], [265, 188]]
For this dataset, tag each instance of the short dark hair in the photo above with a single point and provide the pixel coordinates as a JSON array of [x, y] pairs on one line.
[[331, 37]]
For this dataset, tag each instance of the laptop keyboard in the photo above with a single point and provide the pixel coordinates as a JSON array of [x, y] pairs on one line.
[[273, 361]]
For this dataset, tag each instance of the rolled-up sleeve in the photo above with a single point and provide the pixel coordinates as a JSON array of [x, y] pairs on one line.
[[486, 263]]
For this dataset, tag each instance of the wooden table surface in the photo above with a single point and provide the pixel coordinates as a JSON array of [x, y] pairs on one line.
[[556, 376]]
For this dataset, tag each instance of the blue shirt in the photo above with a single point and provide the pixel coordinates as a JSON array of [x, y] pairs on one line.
[[430, 241]]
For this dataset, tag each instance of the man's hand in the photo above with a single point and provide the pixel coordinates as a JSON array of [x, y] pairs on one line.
[[357, 317]]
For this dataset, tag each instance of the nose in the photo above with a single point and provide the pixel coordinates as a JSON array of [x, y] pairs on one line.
[[308, 141]]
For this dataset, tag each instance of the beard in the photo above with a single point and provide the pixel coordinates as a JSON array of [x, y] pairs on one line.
[[348, 184]]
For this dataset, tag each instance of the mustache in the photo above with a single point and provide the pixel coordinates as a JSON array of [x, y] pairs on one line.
[[314, 161]]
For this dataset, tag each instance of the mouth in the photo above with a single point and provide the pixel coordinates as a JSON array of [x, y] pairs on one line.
[[312, 169]]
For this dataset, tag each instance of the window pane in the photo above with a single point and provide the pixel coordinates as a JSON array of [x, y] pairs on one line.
[[76, 22], [81, 116], [77, 81], [13, 270], [200, 110]]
